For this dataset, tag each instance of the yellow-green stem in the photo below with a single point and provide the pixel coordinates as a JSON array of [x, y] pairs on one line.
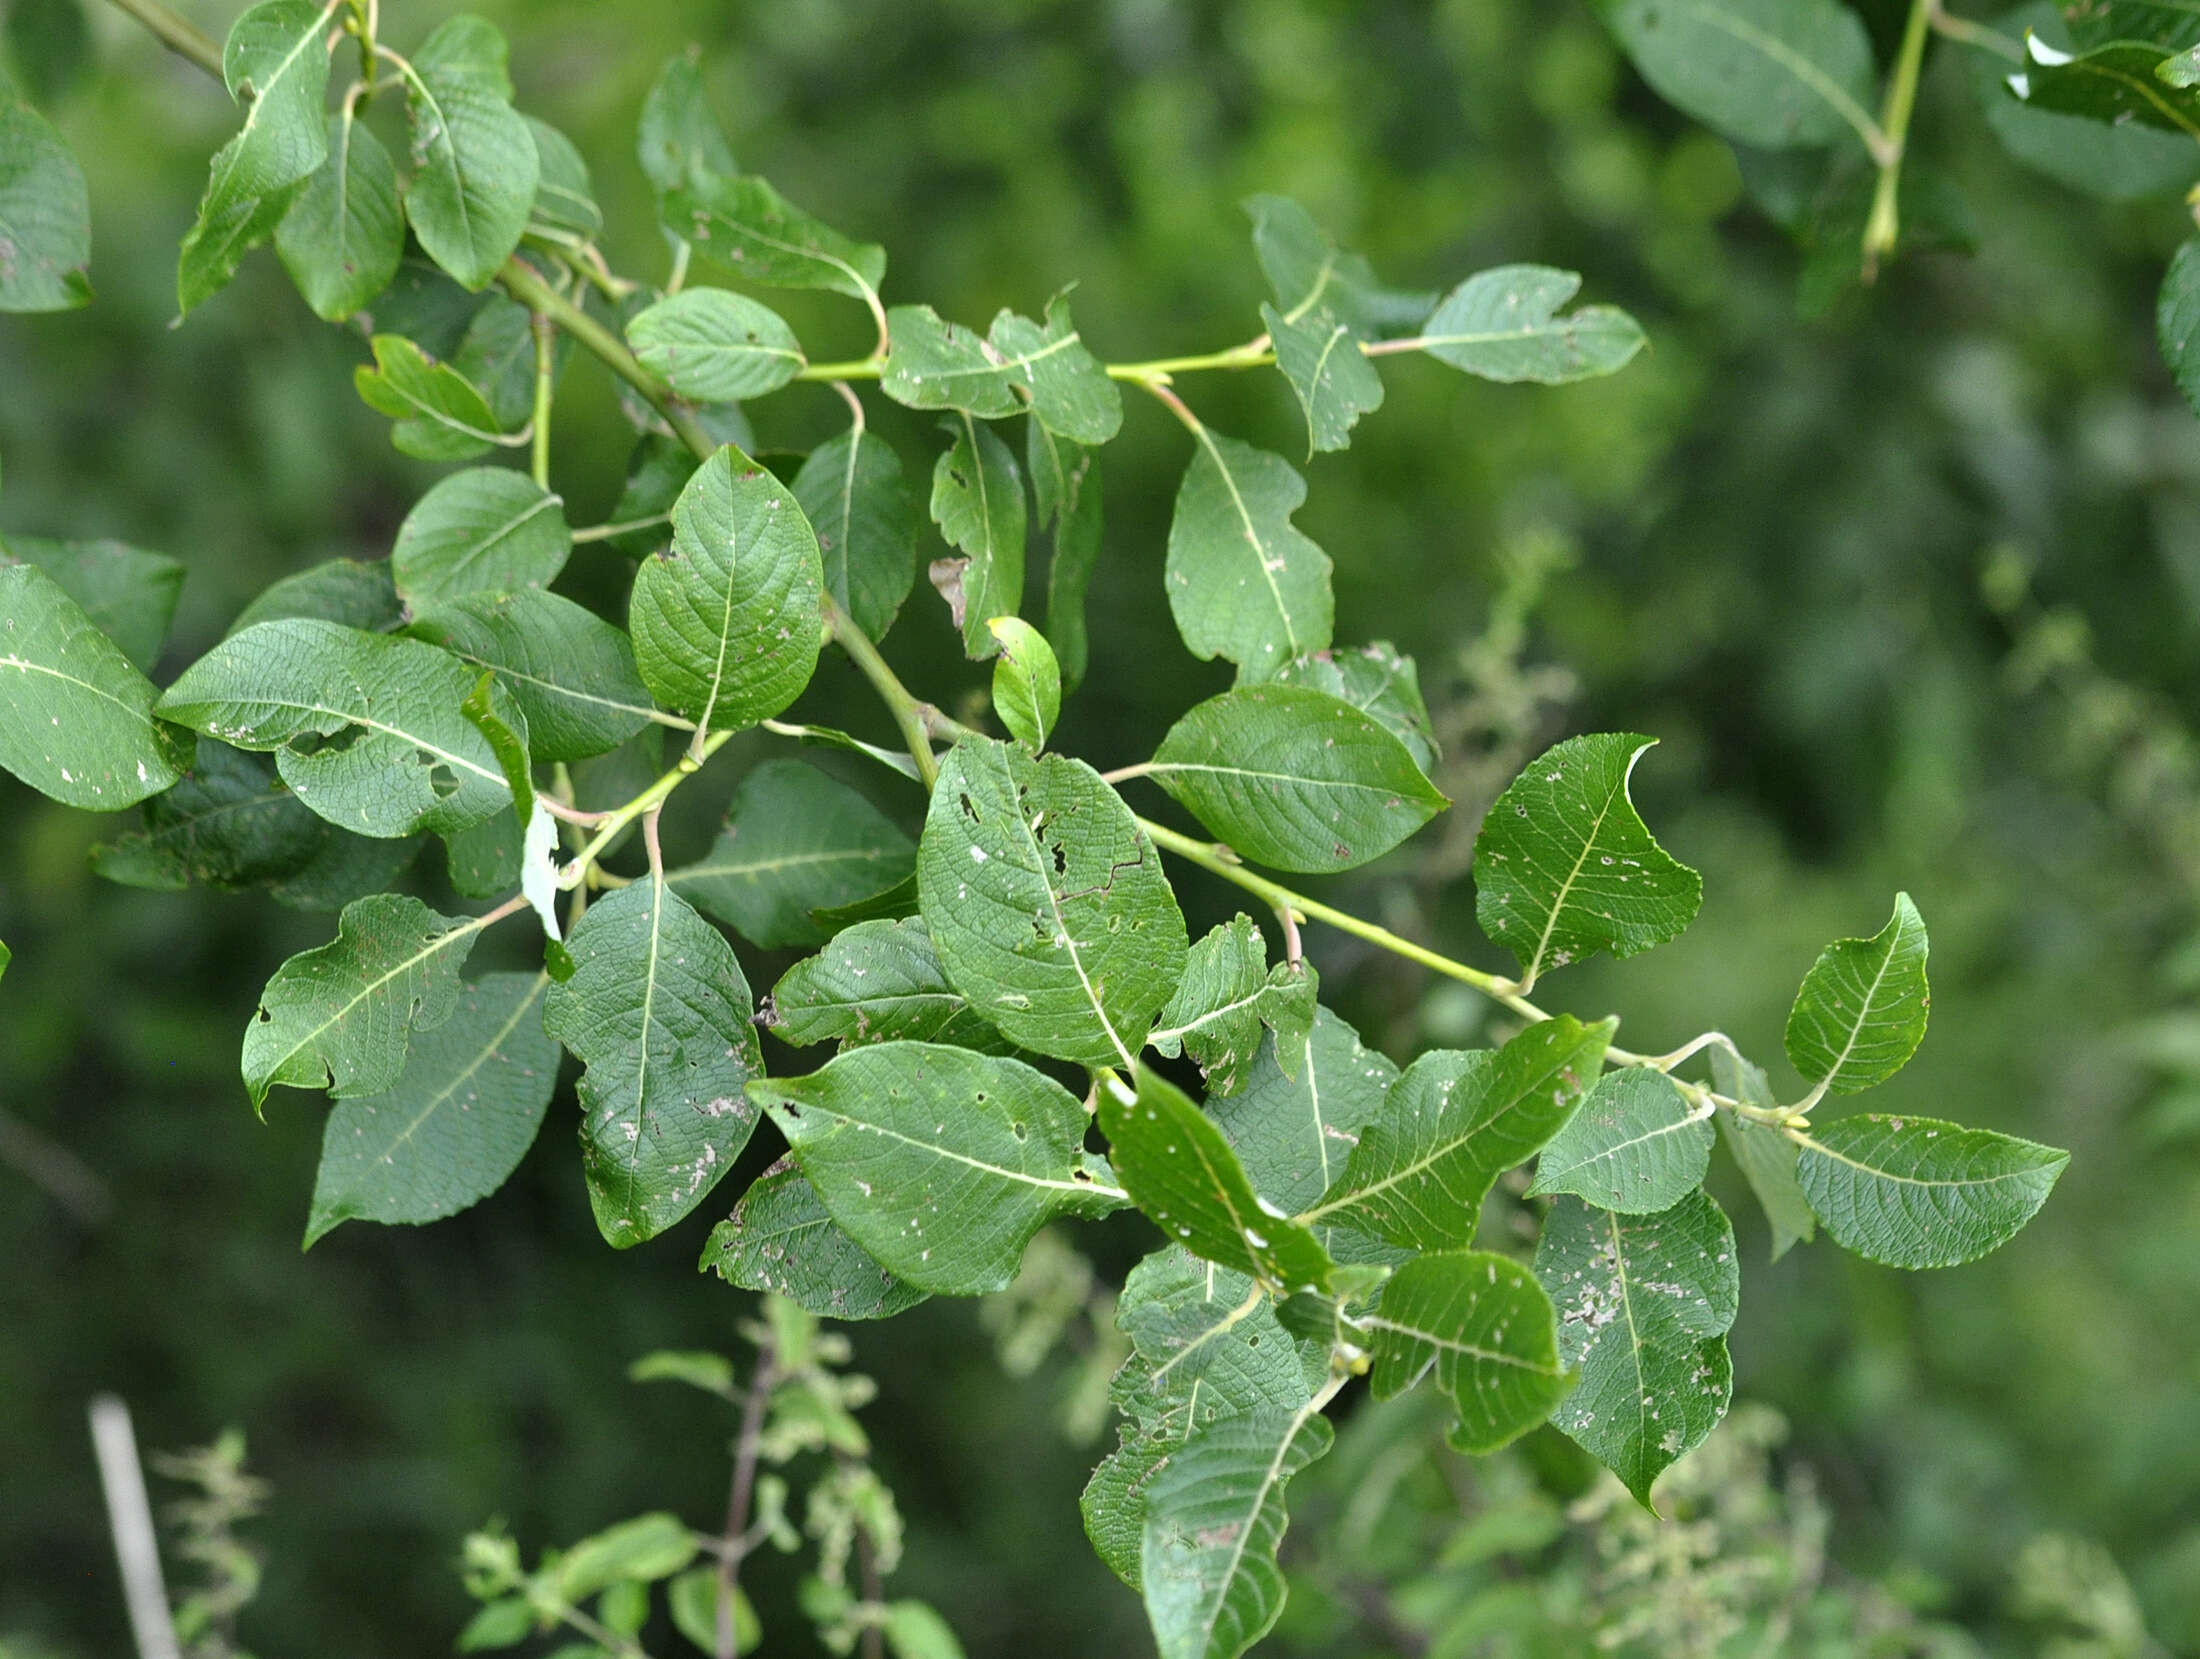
[[177, 33], [1884, 228]]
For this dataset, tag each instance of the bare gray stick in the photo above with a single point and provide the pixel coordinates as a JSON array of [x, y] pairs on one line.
[[130, 1517]]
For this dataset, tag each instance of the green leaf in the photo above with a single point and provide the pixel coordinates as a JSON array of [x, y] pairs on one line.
[[1178, 1168], [1378, 680], [440, 414], [1214, 1517], [851, 491], [876, 982], [728, 622], [128, 595], [347, 868], [680, 138], [276, 62], [565, 211], [484, 530], [476, 166], [1916, 1192], [938, 1162], [570, 673], [795, 840], [485, 861], [1636, 1146], [45, 215], [914, 1631], [2177, 319], [646, 1548], [1242, 582], [1486, 1329], [1452, 1124], [1020, 365], [354, 592], [716, 347], [1773, 73], [497, 356], [2116, 84], [781, 1239], [1766, 1155], [1027, 682], [228, 823], [1294, 778], [1065, 484], [978, 503], [1504, 325], [76, 718], [457, 1122], [1047, 904], [51, 43], [343, 235], [1644, 1304], [693, 1600], [1306, 269], [658, 1012], [6, 956], [696, 1368], [745, 225], [1565, 867], [339, 1017], [504, 1623], [1227, 998], [1334, 383], [398, 754], [1293, 1126], [1861, 1012]]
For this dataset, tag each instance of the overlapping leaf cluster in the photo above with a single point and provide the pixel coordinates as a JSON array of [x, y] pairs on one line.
[[1013, 986]]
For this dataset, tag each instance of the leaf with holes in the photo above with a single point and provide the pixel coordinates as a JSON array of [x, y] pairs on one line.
[[1378, 680], [1861, 1012], [76, 715], [1329, 375], [484, 530], [743, 224], [1772, 73], [45, 214], [1065, 487], [570, 673], [851, 490], [1047, 904], [1636, 1146], [939, 1162], [1027, 681], [343, 234], [1504, 325], [978, 503], [476, 165], [1766, 1156], [1916, 1192], [716, 347], [1243, 583], [1483, 1326], [1021, 365], [878, 981], [781, 1239], [1229, 995], [440, 414]]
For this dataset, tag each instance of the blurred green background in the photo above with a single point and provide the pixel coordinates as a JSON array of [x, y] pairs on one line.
[[1910, 592]]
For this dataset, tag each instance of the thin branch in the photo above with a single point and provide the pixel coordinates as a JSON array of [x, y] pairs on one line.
[[179, 34], [734, 1541], [56, 1171], [130, 1519]]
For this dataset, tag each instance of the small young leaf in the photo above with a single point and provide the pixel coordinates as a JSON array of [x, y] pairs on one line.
[[745, 225], [1065, 484], [658, 1012], [796, 840], [1861, 1012], [127, 594], [693, 1599], [1455, 1122], [978, 503], [343, 234], [1333, 381], [1486, 1329], [852, 492], [339, 1017], [1644, 1304], [1178, 1168], [647, 1548], [484, 530], [477, 167], [1294, 1125], [1228, 997], [440, 414], [1916, 1192], [1504, 325], [1243, 583], [878, 981], [781, 1239], [570, 673], [716, 347], [1635, 1146], [727, 622], [457, 1122], [680, 138], [1295, 779], [938, 1162], [45, 214], [1772, 73], [228, 823], [1021, 366], [1767, 1156], [1378, 680], [1306, 269], [76, 718], [357, 593], [1047, 904], [1565, 867], [1027, 681], [565, 211]]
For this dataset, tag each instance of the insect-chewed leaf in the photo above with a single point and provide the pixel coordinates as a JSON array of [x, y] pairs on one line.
[[1767, 1156], [1294, 778], [570, 672], [1214, 1517], [1178, 1168], [1504, 325], [1065, 487], [404, 757], [1565, 867], [1636, 1146], [343, 234], [1484, 1326], [1452, 1124], [45, 213], [66, 686], [126, 593], [359, 593], [1299, 1116], [1861, 1011], [1227, 998], [1644, 1304], [715, 346], [726, 623], [484, 530], [1305, 269], [939, 1162], [477, 166], [781, 1239], [1027, 681], [679, 137], [1243, 582], [1772, 73], [1332, 379], [1916, 1192], [743, 224], [876, 982], [227, 823], [456, 1122], [658, 1012], [339, 1017], [852, 492], [978, 503], [796, 840], [1047, 904], [440, 414], [1022, 365], [1381, 682]]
